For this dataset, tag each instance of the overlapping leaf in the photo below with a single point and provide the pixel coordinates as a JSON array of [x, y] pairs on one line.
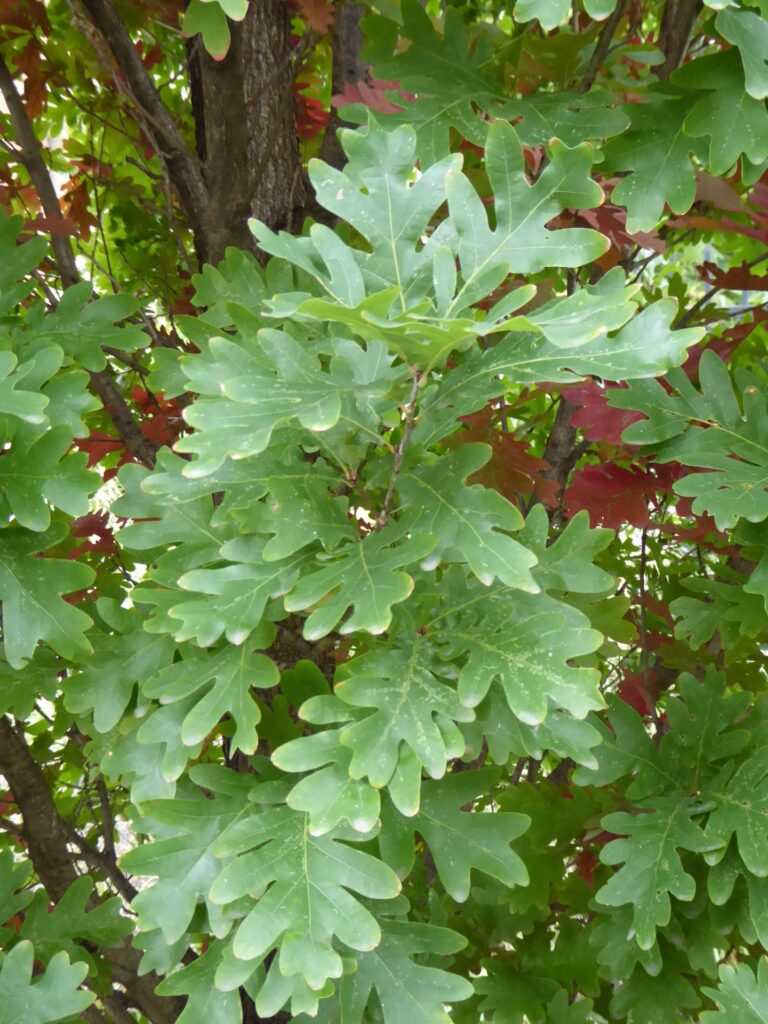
[[366, 577], [31, 590], [460, 840], [720, 429], [652, 869], [527, 644], [471, 522], [311, 886], [407, 989], [49, 996]]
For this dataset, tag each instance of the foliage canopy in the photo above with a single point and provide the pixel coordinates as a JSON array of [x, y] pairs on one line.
[[384, 487]]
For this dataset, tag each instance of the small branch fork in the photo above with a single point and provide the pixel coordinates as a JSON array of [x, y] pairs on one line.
[[409, 412], [183, 168], [48, 838], [31, 156]]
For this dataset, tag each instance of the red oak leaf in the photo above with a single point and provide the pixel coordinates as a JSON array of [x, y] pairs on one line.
[[612, 495], [596, 419], [512, 470]]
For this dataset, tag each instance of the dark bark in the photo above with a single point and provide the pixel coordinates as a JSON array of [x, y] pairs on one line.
[[604, 41], [675, 33], [348, 69], [47, 839], [561, 450], [245, 126], [181, 164]]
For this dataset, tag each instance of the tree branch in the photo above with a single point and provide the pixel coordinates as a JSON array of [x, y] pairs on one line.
[[675, 33], [47, 838], [603, 46], [32, 158], [181, 163], [409, 409]]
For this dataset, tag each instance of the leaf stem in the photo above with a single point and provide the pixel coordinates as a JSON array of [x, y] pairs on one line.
[[409, 410]]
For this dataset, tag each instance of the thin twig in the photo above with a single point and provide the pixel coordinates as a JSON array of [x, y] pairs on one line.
[[602, 48], [642, 624], [409, 409], [31, 155]]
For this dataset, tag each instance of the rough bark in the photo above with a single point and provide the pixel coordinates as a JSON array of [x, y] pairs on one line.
[[348, 69], [675, 33], [246, 130]]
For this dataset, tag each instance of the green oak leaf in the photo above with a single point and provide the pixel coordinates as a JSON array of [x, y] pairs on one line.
[[31, 590], [184, 862], [377, 194], [81, 325], [221, 681], [330, 795], [626, 749], [208, 17], [410, 704], [703, 719], [363, 576], [73, 918], [167, 516], [719, 428], [661, 998], [656, 152], [742, 996], [749, 31], [16, 262], [571, 117], [449, 68], [124, 655], [52, 995], [527, 644], [407, 989], [506, 735], [758, 580], [206, 1003], [741, 809], [310, 886], [550, 13], [249, 391], [459, 840], [567, 564], [652, 869], [645, 347], [243, 588], [520, 242], [37, 473], [468, 522], [745, 130], [299, 511], [25, 405]]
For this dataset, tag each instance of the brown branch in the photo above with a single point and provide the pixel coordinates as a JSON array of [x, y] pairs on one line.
[[603, 46], [48, 843], [181, 163], [348, 68], [44, 832], [675, 33], [409, 409], [561, 450], [32, 158]]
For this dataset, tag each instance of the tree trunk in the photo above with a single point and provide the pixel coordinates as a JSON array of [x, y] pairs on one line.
[[246, 130]]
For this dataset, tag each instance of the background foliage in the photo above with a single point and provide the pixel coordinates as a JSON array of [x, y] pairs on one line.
[[383, 561]]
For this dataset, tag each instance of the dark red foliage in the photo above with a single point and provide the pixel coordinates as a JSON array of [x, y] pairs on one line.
[[637, 691], [596, 419]]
